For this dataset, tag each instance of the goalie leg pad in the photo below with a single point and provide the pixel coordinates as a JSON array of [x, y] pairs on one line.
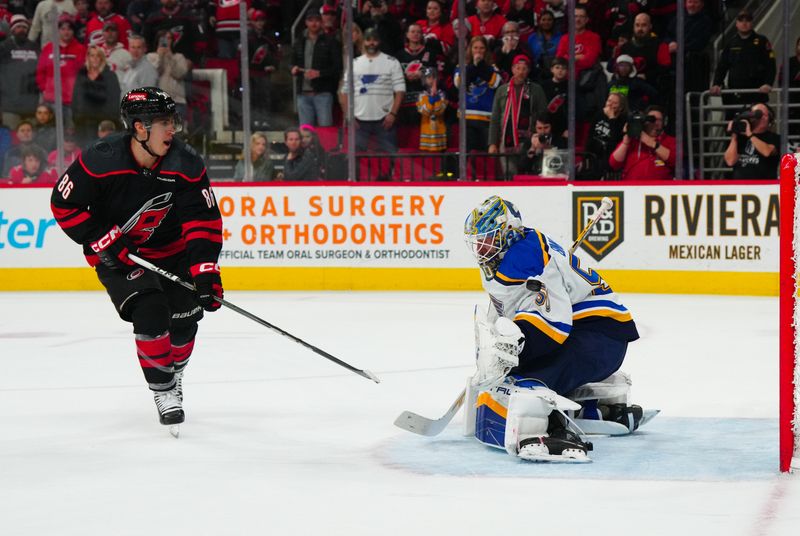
[[528, 417]]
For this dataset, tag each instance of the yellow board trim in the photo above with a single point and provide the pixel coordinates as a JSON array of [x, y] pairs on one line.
[[319, 278], [485, 399]]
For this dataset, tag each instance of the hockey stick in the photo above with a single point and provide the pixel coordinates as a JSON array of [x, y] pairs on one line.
[[418, 424], [174, 278]]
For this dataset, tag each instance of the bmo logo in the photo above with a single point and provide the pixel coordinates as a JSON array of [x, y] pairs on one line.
[[23, 233]]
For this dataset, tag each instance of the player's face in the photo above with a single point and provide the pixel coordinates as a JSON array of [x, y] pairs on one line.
[[161, 133]]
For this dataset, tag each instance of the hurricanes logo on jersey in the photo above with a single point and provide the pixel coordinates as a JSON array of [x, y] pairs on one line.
[[608, 233], [141, 226]]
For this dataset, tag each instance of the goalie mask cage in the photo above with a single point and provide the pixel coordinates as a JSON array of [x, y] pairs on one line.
[[789, 314]]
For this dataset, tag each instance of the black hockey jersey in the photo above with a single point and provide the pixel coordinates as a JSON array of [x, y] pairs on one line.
[[164, 211]]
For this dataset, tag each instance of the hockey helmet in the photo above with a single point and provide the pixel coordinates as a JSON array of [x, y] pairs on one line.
[[490, 229], [145, 104]]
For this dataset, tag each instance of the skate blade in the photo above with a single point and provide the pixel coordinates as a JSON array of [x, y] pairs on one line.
[[175, 430]]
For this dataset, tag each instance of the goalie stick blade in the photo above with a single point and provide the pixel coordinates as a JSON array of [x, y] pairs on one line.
[[417, 424]]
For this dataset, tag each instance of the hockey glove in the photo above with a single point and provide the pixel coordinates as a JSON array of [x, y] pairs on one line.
[[208, 285], [112, 249]]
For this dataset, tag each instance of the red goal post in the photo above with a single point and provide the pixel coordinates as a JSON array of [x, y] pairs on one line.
[[789, 310]]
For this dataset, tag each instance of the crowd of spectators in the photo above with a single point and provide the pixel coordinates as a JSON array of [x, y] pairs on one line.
[[405, 75]]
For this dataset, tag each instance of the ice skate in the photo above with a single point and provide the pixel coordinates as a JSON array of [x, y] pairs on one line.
[[170, 410], [559, 445]]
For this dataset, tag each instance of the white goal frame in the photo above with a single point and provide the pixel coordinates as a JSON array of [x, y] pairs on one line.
[[789, 342]]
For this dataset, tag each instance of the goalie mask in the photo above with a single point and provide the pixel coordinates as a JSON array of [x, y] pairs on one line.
[[490, 230]]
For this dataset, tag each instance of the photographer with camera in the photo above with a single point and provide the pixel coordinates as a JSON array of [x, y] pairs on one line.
[[753, 149], [542, 139], [645, 152]]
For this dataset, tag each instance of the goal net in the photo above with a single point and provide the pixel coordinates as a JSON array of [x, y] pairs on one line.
[[789, 314]]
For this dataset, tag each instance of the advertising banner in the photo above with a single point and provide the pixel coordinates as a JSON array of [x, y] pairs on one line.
[[363, 236]]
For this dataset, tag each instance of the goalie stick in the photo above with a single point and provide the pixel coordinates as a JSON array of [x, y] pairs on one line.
[[417, 424], [174, 278]]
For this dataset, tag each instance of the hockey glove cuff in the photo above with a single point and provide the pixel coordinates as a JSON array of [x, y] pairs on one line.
[[112, 249], [208, 285]]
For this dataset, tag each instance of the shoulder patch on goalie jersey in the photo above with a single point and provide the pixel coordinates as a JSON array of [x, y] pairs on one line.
[[526, 258]]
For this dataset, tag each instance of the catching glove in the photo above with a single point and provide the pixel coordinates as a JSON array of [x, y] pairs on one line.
[[208, 285], [112, 249]]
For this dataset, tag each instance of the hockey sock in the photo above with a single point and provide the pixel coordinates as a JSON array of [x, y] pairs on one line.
[[182, 346], [155, 358]]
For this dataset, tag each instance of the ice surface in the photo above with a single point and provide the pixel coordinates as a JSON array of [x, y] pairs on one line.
[[281, 441]]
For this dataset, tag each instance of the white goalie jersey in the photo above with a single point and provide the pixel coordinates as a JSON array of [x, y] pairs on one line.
[[539, 285]]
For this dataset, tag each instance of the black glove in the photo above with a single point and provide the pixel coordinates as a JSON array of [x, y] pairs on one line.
[[112, 248], [208, 285]]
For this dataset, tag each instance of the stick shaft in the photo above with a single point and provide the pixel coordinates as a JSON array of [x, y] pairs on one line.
[[174, 278], [605, 204]]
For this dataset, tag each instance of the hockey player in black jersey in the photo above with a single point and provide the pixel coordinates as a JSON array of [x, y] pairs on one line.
[[146, 192]]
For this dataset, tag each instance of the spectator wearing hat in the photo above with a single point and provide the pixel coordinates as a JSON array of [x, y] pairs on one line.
[[104, 13], [516, 105], [508, 47], [264, 56], [432, 105], [379, 88], [33, 169], [18, 58], [41, 32], [748, 61], [624, 81], [330, 20], [73, 56], [316, 66], [118, 58], [140, 72], [96, 95]]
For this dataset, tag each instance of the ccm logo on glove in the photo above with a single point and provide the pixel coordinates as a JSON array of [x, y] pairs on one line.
[[106, 240]]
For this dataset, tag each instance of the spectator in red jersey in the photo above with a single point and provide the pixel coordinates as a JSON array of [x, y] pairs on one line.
[[648, 154], [225, 22], [486, 21], [587, 44], [71, 149], [32, 169], [105, 13], [73, 55], [435, 26]]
